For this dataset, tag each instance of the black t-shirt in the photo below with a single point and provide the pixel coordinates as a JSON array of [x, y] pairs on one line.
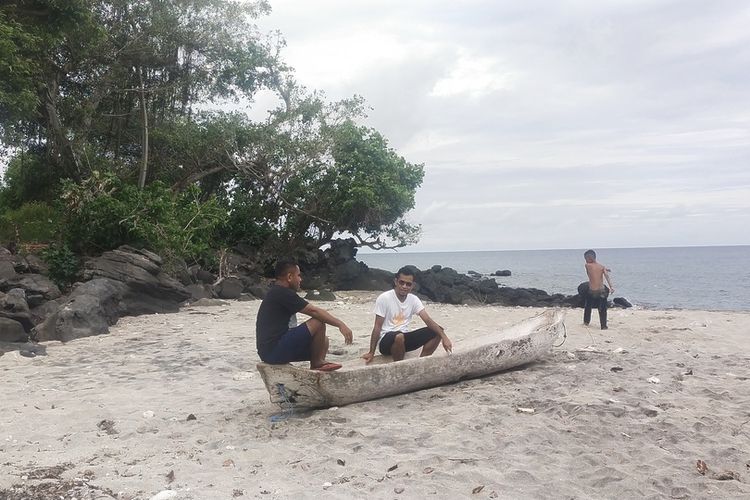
[[277, 308]]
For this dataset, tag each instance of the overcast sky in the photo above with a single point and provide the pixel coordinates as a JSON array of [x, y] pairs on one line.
[[541, 124]]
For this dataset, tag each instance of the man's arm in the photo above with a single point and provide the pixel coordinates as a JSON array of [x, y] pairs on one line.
[[329, 319], [376, 329], [447, 344], [605, 272]]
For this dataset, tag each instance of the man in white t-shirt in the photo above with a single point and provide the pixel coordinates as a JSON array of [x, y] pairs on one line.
[[393, 312]]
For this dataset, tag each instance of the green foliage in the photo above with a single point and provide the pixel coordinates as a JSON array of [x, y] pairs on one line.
[[32, 222], [28, 177], [104, 213], [245, 223], [64, 266], [78, 77]]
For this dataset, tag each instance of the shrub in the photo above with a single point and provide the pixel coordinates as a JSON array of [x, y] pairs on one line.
[[104, 213], [34, 221], [63, 264]]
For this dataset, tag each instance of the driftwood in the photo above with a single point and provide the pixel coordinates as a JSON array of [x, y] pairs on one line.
[[471, 358]]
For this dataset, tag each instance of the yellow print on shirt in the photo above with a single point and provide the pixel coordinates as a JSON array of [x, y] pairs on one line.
[[399, 319]]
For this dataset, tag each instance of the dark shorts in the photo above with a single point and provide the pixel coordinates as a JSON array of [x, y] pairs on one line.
[[412, 340], [294, 345]]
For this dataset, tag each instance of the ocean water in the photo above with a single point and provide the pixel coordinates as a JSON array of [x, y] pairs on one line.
[[705, 278]]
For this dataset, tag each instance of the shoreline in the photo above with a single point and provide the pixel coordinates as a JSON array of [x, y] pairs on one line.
[[110, 415]]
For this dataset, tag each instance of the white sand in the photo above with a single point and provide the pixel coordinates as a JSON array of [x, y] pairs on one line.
[[109, 414]]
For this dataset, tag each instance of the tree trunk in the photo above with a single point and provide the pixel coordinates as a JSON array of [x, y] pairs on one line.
[[60, 143], [144, 118]]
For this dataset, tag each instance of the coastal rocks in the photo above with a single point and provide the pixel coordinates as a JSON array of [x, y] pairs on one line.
[[229, 288], [13, 306], [504, 272], [443, 284], [12, 331], [38, 288], [89, 310], [148, 288], [622, 302], [6, 269], [336, 268]]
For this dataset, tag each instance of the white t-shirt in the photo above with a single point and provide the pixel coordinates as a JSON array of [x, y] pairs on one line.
[[397, 314]]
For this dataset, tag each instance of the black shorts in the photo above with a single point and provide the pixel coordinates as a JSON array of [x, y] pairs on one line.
[[412, 340]]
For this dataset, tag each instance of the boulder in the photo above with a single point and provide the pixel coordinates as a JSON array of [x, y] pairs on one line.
[[7, 270], [38, 288], [229, 288], [200, 291], [203, 276], [12, 331], [13, 306], [90, 309], [36, 264], [148, 288], [504, 272], [40, 313], [622, 302]]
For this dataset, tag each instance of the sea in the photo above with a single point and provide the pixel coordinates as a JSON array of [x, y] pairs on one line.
[[713, 278]]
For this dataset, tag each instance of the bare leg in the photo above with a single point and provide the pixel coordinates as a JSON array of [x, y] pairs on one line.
[[319, 346], [398, 349], [430, 346]]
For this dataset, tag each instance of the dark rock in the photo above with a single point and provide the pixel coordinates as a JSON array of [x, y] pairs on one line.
[[341, 251], [90, 309], [200, 291], [40, 313], [504, 272], [229, 288], [320, 295], [25, 349], [622, 302], [12, 331], [18, 263], [473, 273], [346, 273], [258, 291], [7, 270], [13, 306], [148, 289], [37, 265], [179, 269], [203, 276], [38, 288]]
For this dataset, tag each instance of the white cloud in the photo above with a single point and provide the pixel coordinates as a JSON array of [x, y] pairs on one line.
[[545, 124]]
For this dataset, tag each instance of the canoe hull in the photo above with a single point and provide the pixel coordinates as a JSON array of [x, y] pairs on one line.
[[355, 382]]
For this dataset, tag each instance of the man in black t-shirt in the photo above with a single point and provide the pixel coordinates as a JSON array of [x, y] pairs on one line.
[[277, 343]]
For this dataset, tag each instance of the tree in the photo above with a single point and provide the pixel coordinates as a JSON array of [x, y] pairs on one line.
[[123, 87], [92, 77]]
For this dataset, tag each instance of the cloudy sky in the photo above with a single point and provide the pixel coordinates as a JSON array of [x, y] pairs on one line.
[[567, 124]]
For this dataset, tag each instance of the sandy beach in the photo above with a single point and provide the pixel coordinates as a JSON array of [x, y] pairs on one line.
[[171, 406]]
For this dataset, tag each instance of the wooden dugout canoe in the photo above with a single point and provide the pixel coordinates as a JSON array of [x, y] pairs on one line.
[[482, 355]]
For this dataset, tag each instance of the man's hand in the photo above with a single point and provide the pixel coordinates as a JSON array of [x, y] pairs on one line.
[[447, 344], [347, 333], [368, 357]]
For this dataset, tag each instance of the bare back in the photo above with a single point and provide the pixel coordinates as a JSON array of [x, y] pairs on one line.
[[596, 274]]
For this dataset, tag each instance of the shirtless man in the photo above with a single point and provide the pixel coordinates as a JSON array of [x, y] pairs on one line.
[[393, 312], [597, 293], [277, 343]]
